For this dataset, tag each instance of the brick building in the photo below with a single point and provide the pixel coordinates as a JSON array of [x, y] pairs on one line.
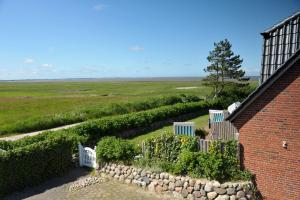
[[268, 121]]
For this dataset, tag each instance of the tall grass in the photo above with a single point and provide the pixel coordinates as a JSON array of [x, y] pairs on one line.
[[55, 120]]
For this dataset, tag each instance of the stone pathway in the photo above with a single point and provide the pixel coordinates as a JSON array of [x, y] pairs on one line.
[[19, 136], [58, 189]]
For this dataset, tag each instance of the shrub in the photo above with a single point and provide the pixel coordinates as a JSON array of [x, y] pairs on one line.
[[167, 147], [201, 132], [29, 164], [93, 130], [187, 162], [220, 163], [112, 149]]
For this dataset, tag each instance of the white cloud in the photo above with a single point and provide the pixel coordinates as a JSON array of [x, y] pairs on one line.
[[99, 7], [29, 61], [47, 65], [136, 48]]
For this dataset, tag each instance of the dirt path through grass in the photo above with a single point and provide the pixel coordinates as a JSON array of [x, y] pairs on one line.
[[16, 137]]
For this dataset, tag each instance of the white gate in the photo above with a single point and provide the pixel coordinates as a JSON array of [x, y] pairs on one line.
[[87, 156]]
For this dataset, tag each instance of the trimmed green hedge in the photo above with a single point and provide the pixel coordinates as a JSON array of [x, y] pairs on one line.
[[93, 130], [34, 159]]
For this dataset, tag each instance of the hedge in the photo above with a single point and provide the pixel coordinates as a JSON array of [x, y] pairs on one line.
[[55, 120], [32, 160], [93, 130]]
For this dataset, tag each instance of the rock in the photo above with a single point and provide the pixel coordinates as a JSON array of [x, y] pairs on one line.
[[239, 187], [196, 187], [230, 191], [146, 180], [160, 182], [116, 176], [191, 182], [177, 195], [128, 181], [240, 194], [208, 187], [161, 176], [177, 178], [112, 173], [151, 187], [171, 186], [190, 189], [224, 185], [121, 178], [202, 198], [190, 197], [165, 187], [249, 196], [184, 193], [216, 184], [166, 176], [171, 179], [212, 195], [243, 198], [178, 189], [166, 181], [222, 197], [159, 189], [220, 190], [202, 192], [196, 194], [157, 176], [178, 183], [232, 197], [185, 185], [130, 177]]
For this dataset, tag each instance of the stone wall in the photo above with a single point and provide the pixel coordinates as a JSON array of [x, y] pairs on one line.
[[180, 186]]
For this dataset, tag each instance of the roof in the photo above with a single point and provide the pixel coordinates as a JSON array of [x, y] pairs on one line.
[[281, 23], [265, 85]]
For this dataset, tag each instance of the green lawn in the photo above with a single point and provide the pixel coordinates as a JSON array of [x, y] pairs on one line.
[[201, 122]]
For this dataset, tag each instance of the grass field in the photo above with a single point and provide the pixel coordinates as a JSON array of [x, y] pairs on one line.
[[25, 100], [200, 122]]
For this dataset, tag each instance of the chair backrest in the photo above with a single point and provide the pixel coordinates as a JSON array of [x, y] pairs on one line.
[[217, 115], [184, 128]]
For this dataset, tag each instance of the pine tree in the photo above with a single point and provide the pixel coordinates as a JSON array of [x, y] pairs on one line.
[[224, 64]]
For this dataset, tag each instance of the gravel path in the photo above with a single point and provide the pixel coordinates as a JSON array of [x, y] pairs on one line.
[[19, 136], [58, 189]]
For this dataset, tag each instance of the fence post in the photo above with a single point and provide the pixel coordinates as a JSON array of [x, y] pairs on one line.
[[80, 154]]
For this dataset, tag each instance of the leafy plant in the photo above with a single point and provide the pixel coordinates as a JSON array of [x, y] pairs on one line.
[[32, 161], [115, 149]]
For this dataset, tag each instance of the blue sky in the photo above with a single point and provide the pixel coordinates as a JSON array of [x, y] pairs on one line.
[[129, 38]]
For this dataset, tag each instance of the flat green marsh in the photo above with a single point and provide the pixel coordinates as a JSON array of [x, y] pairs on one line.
[[21, 101]]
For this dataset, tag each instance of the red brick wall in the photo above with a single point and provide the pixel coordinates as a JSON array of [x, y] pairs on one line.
[[272, 118]]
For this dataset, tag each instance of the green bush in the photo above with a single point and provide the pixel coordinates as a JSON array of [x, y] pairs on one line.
[[220, 163], [93, 130], [186, 163], [112, 149], [55, 120], [28, 164], [167, 147], [201, 132]]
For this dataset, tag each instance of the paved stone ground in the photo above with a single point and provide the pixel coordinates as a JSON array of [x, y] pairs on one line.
[[58, 189]]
